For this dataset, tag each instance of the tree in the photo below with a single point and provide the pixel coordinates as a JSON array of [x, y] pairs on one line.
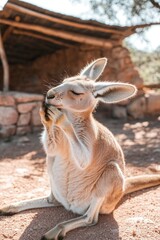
[[139, 14], [122, 12]]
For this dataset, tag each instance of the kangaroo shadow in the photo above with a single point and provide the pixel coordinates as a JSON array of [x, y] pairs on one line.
[[45, 219], [18, 146]]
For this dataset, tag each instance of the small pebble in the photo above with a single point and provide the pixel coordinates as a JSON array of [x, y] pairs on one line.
[[134, 233]]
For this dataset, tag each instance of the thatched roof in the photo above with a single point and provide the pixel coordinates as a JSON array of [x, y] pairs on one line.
[[29, 32]]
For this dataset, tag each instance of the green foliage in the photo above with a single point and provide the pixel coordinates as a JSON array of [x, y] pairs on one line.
[[148, 64]]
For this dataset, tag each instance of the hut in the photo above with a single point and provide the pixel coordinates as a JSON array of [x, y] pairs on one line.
[[43, 47]]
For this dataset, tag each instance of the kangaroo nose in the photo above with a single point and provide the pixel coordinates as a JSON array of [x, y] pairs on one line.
[[50, 95]]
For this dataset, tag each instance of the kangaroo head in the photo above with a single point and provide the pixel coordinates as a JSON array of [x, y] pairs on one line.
[[81, 93]]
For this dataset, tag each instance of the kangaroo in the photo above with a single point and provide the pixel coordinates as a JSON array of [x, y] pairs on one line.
[[84, 161]]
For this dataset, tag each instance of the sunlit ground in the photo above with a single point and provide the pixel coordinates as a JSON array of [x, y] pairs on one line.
[[23, 176]]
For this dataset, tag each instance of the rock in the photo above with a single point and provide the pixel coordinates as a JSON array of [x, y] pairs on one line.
[[121, 64], [23, 130], [125, 62], [6, 100], [25, 107], [35, 117], [7, 131], [130, 75], [137, 108], [153, 103], [22, 171], [19, 110], [24, 119], [8, 115], [119, 112], [21, 97], [37, 128], [22, 140], [120, 52]]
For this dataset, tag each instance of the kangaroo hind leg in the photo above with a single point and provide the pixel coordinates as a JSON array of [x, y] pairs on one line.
[[88, 219], [114, 184], [29, 204]]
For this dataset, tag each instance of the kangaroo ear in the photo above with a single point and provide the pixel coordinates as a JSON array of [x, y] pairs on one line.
[[94, 69], [113, 92]]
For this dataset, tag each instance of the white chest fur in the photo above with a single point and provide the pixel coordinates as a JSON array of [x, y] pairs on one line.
[[68, 185]]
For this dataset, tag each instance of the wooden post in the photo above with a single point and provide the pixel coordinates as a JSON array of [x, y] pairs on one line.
[[5, 66]]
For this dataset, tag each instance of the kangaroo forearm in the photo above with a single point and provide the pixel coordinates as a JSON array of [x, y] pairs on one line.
[[60, 140]]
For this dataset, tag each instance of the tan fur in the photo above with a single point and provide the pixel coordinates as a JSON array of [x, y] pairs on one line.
[[84, 161]]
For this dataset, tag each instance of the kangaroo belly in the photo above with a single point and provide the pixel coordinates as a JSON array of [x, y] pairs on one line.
[[70, 187]]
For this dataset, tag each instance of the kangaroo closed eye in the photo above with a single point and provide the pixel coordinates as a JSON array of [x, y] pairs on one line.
[[75, 93]]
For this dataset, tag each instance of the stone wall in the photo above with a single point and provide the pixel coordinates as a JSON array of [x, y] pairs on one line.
[[141, 106], [19, 113], [53, 68], [69, 62]]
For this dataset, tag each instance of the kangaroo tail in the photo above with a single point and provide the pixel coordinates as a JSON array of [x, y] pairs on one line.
[[137, 183]]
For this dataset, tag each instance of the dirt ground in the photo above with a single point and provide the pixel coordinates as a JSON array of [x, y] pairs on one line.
[[23, 176]]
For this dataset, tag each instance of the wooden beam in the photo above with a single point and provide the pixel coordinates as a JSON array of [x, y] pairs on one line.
[[61, 34], [38, 36], [62, 21], [5, 66], [132, 29]]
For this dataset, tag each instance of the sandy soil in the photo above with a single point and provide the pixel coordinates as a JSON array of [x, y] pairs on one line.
[[23, 176]]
